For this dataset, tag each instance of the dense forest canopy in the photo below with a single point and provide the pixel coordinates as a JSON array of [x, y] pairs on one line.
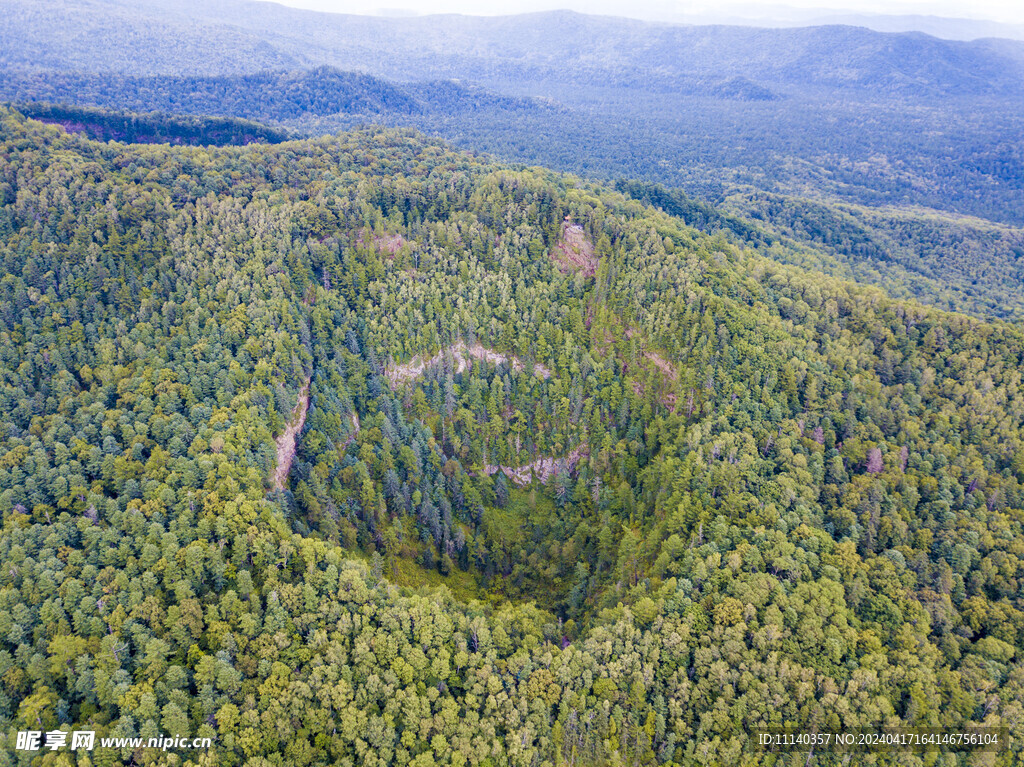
[[954, 262], [893, 160], [838, 111], [573, 482]]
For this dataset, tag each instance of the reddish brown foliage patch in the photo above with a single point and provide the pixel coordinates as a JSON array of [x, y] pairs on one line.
[[663, 365], [385, 243]]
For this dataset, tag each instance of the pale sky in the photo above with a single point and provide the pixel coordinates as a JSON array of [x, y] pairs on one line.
[[1007, 11]]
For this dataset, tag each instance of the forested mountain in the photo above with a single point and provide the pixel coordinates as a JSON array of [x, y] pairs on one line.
[[949, 261], [292, 98], [669, 490], [891, 159], [956, 262], [152, 128], [860, 116]]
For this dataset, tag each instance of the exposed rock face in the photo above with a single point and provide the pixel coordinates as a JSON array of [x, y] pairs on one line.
[[354, 421], [542, 469], [461, 354], [574, 251], [286, 442], [386, 243], [663, 365]]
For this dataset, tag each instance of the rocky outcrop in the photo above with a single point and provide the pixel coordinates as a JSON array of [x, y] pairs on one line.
[[542, 469], [461, 355], [574, 251], [286, 441]]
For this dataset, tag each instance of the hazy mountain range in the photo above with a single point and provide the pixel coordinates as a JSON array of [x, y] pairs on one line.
[[524, 52]]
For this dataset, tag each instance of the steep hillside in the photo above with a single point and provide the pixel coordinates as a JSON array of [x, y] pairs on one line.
[[676, 491], [954, 262]]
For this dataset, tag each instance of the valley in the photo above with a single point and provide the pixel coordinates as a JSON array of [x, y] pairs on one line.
[[526, 391], [835, 477]]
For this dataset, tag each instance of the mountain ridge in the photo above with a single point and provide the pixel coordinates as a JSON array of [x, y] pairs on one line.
[[278, 96]]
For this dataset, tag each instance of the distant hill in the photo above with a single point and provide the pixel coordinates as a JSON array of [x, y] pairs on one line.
[[937, 26], [515, 51], [779, 15], [152, 128]]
